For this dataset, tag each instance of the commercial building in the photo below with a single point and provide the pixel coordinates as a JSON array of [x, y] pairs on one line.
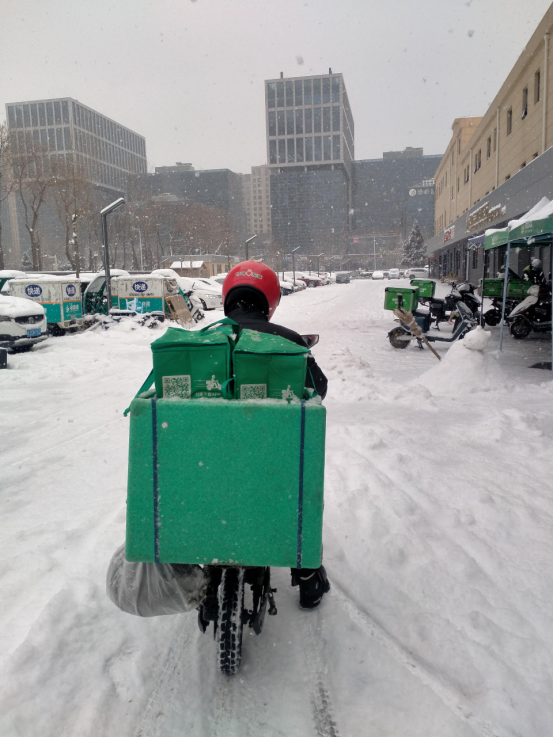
[[498, 166], [221, 189], [204, 265], [310, 150], [257, 200], [63, 130], [389, 194]]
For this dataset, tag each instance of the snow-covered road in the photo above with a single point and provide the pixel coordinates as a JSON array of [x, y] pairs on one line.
[[438, 543]]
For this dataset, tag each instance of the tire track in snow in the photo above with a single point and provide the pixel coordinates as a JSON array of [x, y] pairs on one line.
[[445, 691], [321, 703], [163, 694]]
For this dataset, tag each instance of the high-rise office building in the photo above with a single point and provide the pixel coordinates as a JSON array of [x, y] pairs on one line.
[[66, 128], [310, 150], [64, 131], [257, 200]]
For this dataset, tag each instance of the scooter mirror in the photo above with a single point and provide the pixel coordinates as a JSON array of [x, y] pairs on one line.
[[310, 340]]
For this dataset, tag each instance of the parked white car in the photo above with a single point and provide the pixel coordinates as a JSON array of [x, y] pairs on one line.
[[393, 274], [207, 292], [378, 275], [417, 273], [22, 323]]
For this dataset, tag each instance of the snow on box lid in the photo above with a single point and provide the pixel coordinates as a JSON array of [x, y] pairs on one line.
[[255, 342]]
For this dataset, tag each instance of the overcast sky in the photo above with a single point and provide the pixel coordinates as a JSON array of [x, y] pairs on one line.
[[188, 74]]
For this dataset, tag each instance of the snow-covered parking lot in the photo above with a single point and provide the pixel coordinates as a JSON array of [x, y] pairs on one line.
[[438, 543]]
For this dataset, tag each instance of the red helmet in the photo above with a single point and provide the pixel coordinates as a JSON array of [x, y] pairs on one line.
[[253, 275]]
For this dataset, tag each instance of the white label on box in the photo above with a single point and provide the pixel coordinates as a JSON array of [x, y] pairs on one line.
[[253, 391], [177, 386]]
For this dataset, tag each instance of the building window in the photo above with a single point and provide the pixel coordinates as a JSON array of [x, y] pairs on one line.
[[289, 94], [326, 90], [335, 118], [494, 139], [281, 151], [509, 121], [316, 92], [326, 119], [524, 112], [327, 149], [336, 89], [478, 160], [309, 120], [280, 94], [309, 149], [537, 86], [65, 112], [291, 151], [298, 91], [272, 123], [299, 149], [335, 147], [307, 92], [489, 147], [289, 122], [299, 120], [318, 148], [316, 120], [280, 120]]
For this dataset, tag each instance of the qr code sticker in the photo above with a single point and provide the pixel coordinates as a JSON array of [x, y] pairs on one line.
[[253, 392], [179, 386]]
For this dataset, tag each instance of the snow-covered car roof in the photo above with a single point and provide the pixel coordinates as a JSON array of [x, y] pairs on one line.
[[11, 273], [13, 307]]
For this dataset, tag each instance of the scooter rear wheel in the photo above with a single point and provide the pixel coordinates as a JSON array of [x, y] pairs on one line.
[[229, 623], [400, 338], [492, 317], [520, 329]]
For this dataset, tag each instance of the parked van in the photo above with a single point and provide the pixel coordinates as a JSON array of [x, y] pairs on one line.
[[59, 296]]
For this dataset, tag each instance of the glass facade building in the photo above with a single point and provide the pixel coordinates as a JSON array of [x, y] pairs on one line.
[[308, 121], [68, 131], [310, 151]]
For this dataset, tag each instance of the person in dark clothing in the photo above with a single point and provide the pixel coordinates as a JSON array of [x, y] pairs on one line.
[[251, 294]]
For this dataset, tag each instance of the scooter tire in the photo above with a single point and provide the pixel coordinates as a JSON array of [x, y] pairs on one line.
[[492, 317], [396, 341], [230, 624], [520, 329]]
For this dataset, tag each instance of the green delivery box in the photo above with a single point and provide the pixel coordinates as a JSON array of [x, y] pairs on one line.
[[427, 287], [226, 482], [405, 297], [518, 288], [492, 288], [191, 364], [268, 367]]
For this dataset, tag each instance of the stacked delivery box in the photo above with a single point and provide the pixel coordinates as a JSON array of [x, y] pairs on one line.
[[226, 456]]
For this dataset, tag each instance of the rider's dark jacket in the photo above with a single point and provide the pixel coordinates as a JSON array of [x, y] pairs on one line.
[[254, 319]]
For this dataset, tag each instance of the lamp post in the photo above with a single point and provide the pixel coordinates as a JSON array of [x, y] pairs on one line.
[[248, 241], [294, 263], [319, 264], [104, 213]]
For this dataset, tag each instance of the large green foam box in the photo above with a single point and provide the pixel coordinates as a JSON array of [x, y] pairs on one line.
[[226, 482], [268, 366], [492, 287], [191, 364], [518, 288], [405, 297], [427, 287]]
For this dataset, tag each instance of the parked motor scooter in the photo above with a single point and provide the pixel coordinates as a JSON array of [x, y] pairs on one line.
[[533, 313], [401, 336]]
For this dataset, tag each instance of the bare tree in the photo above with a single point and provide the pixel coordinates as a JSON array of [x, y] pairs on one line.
[[73, 195], [32, 180], [6, 180]]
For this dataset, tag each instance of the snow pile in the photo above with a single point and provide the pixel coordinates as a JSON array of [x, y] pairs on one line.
[[462, 371], [541, 210]]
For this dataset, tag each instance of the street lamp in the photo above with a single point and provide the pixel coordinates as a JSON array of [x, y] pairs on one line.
[[104, 213], [248, 241], [293, 253], [319, 264]]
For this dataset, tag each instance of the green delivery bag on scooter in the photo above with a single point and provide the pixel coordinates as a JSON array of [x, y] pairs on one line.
[[193, 364]]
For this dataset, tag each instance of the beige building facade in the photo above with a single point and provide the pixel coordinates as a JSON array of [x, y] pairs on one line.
[[485, 152], [257, 200]]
